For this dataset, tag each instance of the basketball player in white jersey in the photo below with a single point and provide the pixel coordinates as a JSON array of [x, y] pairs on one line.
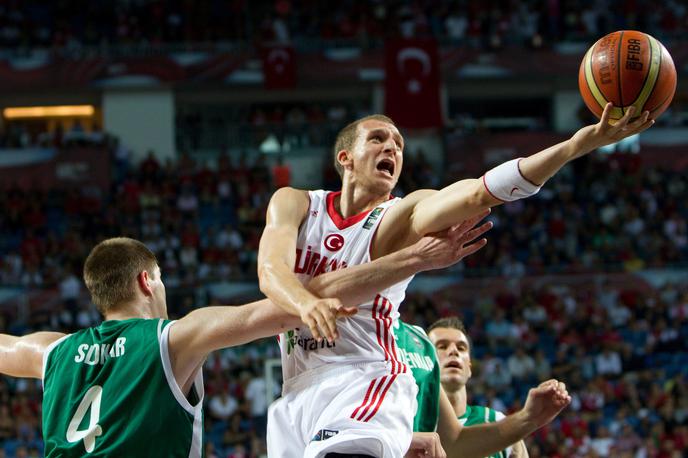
[[349, 393]]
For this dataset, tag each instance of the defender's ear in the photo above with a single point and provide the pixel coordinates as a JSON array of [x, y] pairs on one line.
[[143, 281]]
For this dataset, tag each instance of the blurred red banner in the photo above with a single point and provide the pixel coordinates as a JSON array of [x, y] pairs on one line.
[[412, 83], [279, 67]]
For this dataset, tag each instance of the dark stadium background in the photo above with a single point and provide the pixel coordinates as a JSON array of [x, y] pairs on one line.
[[202, 108]]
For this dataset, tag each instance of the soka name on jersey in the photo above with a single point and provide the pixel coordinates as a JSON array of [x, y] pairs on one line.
[[414, 360], [314, 263], [99, 353]]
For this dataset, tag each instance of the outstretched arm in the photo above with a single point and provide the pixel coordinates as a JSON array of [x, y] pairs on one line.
[[431, 211], [212, 328], [543, 404], [23, 356]]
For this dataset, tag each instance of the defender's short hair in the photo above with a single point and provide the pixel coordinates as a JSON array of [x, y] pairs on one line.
[[347, 137], [452, 322], [111, 268]]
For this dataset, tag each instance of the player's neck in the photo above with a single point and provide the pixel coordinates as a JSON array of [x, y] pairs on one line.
[[457, 399], [129, 311], [355, 200]]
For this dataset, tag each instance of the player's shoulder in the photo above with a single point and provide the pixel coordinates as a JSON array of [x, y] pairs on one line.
[[416, 196], [415, 330], [288, 204], [288, 193], [419, 331]]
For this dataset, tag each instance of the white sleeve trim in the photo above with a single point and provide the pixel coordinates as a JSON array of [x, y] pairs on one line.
[[172, 382], [46, 353]]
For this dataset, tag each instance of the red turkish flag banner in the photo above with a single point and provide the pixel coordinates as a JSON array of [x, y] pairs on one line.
[[279, 67], [412, 83]]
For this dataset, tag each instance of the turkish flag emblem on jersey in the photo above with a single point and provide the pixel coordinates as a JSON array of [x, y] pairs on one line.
[[412, 83], [279, 67]]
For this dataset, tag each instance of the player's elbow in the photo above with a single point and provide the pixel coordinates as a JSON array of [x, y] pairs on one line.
[[266, 275]]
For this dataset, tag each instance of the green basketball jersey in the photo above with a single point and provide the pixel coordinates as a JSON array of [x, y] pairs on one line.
[[109, 391], [477, 415], [418, 352]]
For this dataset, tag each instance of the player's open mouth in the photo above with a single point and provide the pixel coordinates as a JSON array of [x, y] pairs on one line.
[[387, 166], [453, 364]]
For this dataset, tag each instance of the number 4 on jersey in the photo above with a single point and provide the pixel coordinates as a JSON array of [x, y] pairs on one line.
[[91, 399]]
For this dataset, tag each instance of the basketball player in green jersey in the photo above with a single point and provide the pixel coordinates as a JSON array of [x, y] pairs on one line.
[[418, 353], [435, 412], [133, 385], [453, 350]]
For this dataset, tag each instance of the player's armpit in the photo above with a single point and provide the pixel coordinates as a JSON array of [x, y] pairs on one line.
[[23, 356]]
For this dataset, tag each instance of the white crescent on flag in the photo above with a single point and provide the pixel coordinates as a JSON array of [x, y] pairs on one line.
[[420, 55], [414, 53], [278, 57]]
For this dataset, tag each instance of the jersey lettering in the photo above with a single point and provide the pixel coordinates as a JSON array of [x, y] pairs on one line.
[[314, 264], [99, 353], [416, 361]]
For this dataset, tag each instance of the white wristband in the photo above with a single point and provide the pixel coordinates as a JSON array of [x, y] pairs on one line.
[[506, 183]]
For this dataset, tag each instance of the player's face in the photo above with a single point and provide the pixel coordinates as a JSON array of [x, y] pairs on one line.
[[377, 156], [454, 354]]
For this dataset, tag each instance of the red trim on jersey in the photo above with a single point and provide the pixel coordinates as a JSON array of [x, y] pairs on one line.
[[386, 325], [379, 403], [393, 350], [339, 220], [365, 398], [376, 304], [373, 399], [383, 330]]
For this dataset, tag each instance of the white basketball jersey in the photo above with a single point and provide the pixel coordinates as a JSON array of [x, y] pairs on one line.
[[327, 242]]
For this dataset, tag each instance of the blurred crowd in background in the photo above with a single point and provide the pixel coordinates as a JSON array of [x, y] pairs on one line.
[[72, 24]]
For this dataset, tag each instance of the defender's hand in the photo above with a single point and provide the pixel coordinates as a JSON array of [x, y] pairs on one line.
[[603, 133], [446, 248], [545, 402], [426, 445], [321, 317]]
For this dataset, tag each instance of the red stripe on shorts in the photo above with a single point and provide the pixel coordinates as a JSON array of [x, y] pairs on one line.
[[365, 399], [379, 403], [373, 399]]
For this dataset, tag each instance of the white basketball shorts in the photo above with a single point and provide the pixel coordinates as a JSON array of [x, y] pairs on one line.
[[353, 408]]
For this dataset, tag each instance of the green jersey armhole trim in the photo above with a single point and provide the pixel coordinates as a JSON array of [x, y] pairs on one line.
[[420, 331], [169, 375], [196, 449], [46, 354]]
